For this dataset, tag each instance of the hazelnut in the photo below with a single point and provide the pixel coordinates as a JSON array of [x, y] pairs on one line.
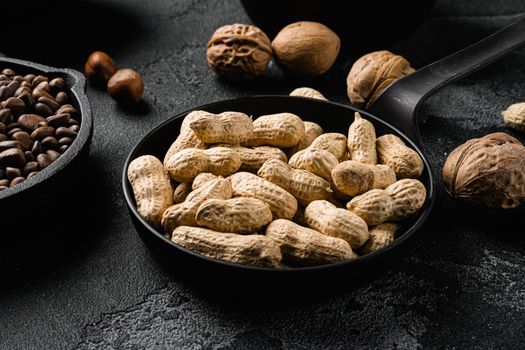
[[373, 73], [239, 51], [514, 116], [99, 67], [306, 48], [489, 171], [126, 86]]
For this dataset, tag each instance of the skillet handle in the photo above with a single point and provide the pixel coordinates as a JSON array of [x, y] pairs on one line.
[[399, 103]]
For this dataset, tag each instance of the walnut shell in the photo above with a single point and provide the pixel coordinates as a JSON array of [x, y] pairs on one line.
[[514, 116], [306, 48], [239, 51], [372, 73], [488, 171]]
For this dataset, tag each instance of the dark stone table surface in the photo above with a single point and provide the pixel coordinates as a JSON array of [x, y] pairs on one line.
[[91, 283]]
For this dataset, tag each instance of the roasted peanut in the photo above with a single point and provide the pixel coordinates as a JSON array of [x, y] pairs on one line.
[[151, 188], [254, 250], [183, 166], [279, 130], [304, 246], [243, 215], [397, 202], [332, 142], [226, 127], [354, 178], [201, 179], [282, 204], [311, 132], [253, 158], [181, 192], [184, 213], [318, 162], [325, 217], [186, 138], [380, 236], [307, 92], [405, 162], [362, 140], [303, 185]]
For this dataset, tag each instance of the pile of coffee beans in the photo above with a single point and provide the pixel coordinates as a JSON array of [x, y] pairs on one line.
[[37, 124]]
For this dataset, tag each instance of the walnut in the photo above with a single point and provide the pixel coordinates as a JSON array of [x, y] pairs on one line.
[[514, 116], [372, 73], [306, 48], [239, 51], [489, 171]]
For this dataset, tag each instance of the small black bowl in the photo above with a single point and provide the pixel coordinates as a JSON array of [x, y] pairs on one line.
[[226, 278], [50, 188]]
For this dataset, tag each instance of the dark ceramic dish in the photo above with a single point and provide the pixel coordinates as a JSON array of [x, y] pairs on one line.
[[395, 111], [44, 190]]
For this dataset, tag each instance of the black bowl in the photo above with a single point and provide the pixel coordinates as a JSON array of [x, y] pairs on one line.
[[219, 276], [50, 188]]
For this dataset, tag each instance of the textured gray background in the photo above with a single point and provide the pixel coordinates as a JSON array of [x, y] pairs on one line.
[[93, 284]]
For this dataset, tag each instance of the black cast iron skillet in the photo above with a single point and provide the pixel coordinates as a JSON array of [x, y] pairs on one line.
[[394, 112], [50, 188]]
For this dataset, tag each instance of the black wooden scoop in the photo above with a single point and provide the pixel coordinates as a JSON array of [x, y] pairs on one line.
[[394, 112]]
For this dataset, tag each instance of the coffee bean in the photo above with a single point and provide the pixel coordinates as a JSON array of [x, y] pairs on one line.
[[12, 87], [3, 77], [12, 157], [50, 102], [74, 123], [2, 128], [65, 141], [63, 148], [32, 174], [15, 104], [43, 109], [26, 84], [37, 148], [43, 161], [12, 126], [39, 79], [21, 90], [29, 77], [5, 145], [49, 143], [65, 132], [13, 131], [3, 93], [18, 78], [40, 92], [4, 182], [42, 132], [42, 123], [16, 181], [53, 155], [11, 173], [58, 120], [27, 98], [8, 72], [29, 168], [57, 84], [3, 137], [29, 156], [29, 122], [67, 109], [24, 139], [61, 97], [6, 116]]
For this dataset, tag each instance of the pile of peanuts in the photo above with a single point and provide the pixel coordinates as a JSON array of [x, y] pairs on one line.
[[277, 191]]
